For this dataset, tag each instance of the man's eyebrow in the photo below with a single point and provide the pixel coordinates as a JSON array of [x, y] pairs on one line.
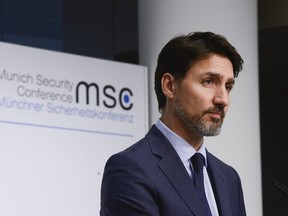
[[232, 81]]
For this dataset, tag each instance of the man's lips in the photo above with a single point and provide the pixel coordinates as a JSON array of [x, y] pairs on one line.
[[217, 115]]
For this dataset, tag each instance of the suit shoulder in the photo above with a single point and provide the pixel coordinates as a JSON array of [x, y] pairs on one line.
[[145, 147]]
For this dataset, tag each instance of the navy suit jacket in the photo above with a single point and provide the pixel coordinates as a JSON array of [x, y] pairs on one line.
[[149, 179]]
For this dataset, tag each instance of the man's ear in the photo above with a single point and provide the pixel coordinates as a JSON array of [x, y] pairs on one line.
[[168, 85]]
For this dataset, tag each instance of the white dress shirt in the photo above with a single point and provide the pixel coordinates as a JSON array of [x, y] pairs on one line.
[[185, 152]]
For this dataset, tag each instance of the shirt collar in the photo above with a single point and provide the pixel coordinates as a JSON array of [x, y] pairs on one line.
[[182, 147]]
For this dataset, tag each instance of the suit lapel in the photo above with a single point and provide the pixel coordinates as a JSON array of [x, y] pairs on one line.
[[219, 184], [174, 170]]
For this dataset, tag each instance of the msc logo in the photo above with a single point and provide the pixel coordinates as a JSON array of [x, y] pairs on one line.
[[107, 96]]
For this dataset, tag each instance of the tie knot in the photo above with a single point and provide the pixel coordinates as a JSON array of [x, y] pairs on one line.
[[198, 162]]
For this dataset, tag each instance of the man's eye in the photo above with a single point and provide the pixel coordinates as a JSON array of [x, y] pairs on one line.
[[208, 81], [229, 87]]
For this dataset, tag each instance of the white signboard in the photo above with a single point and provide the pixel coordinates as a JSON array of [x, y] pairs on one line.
[[61, 117]]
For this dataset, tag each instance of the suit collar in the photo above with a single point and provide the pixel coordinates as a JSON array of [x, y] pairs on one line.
[[219, 184], [173, 168]]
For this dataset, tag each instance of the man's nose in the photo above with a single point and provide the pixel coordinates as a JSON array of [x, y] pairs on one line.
[[221, 97]]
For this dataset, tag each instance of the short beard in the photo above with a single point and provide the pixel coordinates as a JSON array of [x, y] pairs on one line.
[[198, 124]]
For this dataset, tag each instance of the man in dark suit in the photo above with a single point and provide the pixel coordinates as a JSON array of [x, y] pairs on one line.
[[159, 175]]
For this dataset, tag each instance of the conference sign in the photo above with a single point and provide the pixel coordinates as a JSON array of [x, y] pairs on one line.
[[61, 117]]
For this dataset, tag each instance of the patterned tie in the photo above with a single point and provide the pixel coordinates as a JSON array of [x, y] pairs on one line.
[[198, 162]]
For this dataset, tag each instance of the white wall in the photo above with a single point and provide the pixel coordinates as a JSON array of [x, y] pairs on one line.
[[239, 142]]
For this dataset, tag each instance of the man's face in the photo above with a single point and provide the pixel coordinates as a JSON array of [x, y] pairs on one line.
[[202, 98]]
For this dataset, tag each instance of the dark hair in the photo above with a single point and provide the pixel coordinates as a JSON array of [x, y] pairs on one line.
[[180, 53]]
